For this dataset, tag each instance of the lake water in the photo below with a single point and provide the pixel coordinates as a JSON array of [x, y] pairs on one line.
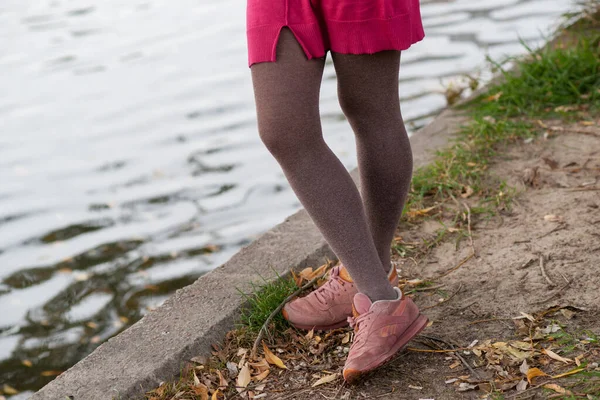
[[130, 163]]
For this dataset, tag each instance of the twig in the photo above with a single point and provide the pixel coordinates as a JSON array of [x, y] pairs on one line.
[[584, 189], [445, 300], [460, 264], [479, 321], [527, 264], [553, 294], [544, 271], [558, 228], [469, 228], [425, 289], [456, 349], [263, 329]]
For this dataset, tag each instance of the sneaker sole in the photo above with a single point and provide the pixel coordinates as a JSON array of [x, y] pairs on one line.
[[320, 328], [352, 375]]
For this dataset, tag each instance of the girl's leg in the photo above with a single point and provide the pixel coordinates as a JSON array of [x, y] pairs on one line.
[[368, 94], [287, 101]]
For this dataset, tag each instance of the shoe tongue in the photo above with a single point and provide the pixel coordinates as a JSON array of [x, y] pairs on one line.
[[345, 275], [362, 303]]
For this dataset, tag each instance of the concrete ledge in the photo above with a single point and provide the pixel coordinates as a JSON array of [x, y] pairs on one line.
[[188, 323]]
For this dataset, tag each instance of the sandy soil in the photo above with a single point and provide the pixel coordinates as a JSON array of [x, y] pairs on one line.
[[555, 216]]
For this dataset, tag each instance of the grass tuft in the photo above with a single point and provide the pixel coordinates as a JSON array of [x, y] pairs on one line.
[[262, 300]]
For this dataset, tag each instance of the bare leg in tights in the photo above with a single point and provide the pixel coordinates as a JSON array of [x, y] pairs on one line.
[[287, 100]]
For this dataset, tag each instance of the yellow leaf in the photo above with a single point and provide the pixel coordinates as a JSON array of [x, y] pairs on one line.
[[326, 379], [587, 123], [51, 373], [317, 272], [555, 356], [243, 378], [262, 375], [494, 97], [310, 334], [574, 371], [556, 388], [196, 380], [27, 363], [417, 213], [272, 358], [7, 389], [215, 395], [533, 372]]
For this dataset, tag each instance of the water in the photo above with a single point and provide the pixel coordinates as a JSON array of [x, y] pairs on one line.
[[130, 163]]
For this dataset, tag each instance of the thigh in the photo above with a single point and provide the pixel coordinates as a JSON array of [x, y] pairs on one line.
[[289, 86], [368, 81]]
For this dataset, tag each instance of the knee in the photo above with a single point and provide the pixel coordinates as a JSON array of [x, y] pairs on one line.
[[359, 106], [355, 104], [283, 134]]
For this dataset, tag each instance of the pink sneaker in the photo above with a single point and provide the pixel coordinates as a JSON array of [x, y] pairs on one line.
[[381, 329], [329, 306]]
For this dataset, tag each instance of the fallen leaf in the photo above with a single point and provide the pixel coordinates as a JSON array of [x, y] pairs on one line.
[[524, 367], [574, 371], [51, 373], [555, 356], [455, 364], [522, 385], [494, 97], [568, 314], [306, 273], [272, 358], [533, 372], [415, 387], [326, 379], [7, 389], [553, 218], [587, 123], [550, 162], [421, 212], [261, 366], [578, 359], [556, 388], [346, 338], [449, 381], [222, 381], [468, 192], [215, 395], [27, 363], [310, 334], [262, 375], [243, 378], [201, 391], [464, 386], [232, 368]]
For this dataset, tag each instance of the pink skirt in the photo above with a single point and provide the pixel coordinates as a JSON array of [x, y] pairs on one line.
[[342, 26]]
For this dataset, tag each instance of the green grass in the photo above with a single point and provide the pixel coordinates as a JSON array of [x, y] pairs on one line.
[[262, 300]]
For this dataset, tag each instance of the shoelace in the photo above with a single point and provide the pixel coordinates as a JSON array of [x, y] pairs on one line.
[[328, 290], [355, 323]]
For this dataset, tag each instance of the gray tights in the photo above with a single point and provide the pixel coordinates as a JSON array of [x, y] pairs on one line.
[[359, 231]]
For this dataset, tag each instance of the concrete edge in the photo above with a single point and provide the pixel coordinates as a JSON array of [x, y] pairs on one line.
[[189, 322]]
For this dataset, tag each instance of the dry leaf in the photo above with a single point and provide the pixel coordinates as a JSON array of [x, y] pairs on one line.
[[556, 388], [196, 380], [464, 386], [261, 366], [51, 373], [201, 391], [421, 212], [493, 97], [7, 389], [555, 356], [243, 378], [326, 379], [215, 395], [533, 372], [524, 367], [468, 192], [574, 371], [222, 381], [455, 364], [521, 386], [272, 358], [346, 338], [262, 375], [306, 273], [310, 334], [27, 363], [587, 123], [553, 218]]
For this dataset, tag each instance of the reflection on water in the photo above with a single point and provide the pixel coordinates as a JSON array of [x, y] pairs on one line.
[[130, 163]]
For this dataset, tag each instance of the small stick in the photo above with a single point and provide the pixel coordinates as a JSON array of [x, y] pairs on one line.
[[446, 300], [527, 264], [558, 228], [584, 189], [469, 228], [263, 329], [460, 264], [456, 348], [544, 271]]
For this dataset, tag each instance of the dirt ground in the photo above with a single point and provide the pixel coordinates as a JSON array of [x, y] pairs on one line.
[[555, 216]]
